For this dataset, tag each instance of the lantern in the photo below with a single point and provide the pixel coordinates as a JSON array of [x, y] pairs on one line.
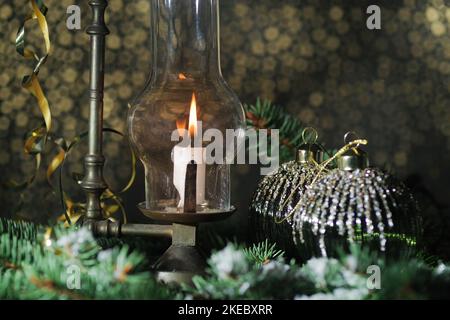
[[185, 127]]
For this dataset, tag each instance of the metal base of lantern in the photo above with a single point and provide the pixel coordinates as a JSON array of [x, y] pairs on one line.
[[209, 215], [183, 259], [179, 264]]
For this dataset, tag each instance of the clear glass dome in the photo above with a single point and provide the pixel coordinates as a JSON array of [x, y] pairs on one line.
[[185, 96]]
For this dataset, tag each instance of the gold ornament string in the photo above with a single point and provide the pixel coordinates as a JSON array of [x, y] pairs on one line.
[[323, 166], [37, 139], [351, 145]]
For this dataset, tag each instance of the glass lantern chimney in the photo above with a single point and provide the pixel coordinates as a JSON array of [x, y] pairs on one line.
[[184, 107]]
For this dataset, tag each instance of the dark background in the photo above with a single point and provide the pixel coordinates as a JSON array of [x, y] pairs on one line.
[[316, 58]]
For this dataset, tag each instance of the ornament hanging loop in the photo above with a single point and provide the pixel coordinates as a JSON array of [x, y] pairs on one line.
[[312, 137], [309, 151], [351, 136]]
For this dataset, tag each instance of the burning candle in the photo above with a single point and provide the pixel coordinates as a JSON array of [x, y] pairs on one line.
[[182, 155]]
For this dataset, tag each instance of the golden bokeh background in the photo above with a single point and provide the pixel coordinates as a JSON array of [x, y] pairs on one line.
[[317, 58]]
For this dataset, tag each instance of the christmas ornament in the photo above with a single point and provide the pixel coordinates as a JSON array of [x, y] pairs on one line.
[[356, 203], [278, 193]]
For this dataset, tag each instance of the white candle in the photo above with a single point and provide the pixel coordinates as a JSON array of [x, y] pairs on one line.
[[182, 155]]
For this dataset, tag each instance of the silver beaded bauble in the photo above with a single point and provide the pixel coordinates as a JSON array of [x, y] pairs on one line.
[[356, 204], [276, 196]]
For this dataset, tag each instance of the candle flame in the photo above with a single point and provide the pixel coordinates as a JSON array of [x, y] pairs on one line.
[[193, 117], [181, 76]]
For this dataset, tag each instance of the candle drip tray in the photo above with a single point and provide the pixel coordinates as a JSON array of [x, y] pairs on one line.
[[172, 215]]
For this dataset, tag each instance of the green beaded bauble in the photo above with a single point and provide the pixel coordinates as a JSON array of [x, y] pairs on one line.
[[356, 204]]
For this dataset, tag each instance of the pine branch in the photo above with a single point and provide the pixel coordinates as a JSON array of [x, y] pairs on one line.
[[32, 269], [20, 229], [265, 115], [235, 275], [263, 253]]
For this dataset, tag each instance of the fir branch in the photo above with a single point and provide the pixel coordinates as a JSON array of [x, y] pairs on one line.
[[265, 115], [262, 252], [33, 269], [19, 229], [49, 286], [234, 275], [40, 271]]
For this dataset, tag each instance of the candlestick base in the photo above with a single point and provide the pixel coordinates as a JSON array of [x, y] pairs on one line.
[[205, 215], [179, 264], [183, 259]]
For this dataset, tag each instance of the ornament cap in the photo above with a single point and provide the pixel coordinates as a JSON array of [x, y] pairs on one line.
[[353, 159], [308, 152]]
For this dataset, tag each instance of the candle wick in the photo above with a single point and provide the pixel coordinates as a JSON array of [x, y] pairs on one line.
[[190, 190]]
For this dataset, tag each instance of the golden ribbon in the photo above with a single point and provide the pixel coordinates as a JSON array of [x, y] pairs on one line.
[[74, 210], [36, 140]]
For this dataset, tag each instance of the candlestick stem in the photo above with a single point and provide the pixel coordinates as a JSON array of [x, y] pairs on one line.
[[93, 183]]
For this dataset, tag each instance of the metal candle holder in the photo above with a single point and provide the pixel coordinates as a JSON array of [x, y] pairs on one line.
[[182, 260]]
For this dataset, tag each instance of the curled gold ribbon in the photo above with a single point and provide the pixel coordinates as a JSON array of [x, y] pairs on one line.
[[39, 12], [74, 210], [31, 83], [37, 139]]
